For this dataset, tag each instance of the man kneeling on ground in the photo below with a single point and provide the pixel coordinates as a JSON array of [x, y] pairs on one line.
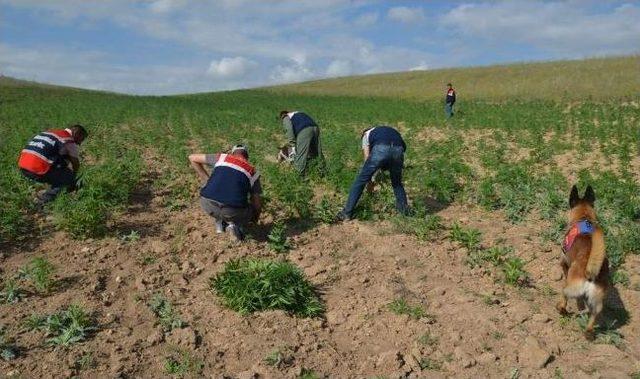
[[225, 195], [46, 159]]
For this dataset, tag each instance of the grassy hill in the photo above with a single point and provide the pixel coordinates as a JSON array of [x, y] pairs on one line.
[[592, 79], [120, 273]]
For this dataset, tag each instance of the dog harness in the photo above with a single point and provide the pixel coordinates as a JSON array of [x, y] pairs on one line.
[[582, 227]]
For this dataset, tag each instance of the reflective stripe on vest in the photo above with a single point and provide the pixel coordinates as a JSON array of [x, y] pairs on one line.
[[43, 151]]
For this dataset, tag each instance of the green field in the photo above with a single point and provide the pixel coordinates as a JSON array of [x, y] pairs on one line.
[[519, 155]]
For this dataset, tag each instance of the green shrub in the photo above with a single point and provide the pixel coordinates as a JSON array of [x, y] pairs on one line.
[[168, 318], [467, 237], [513, 269], [250, 285], [325, 212], [423, 227]]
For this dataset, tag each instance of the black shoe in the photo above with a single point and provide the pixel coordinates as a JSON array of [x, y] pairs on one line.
[[341, 216]]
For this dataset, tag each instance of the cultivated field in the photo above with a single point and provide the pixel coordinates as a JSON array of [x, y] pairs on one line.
[[127, 278]]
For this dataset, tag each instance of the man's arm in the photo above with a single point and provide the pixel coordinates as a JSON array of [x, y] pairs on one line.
[[197, 162], [365, 152], [288, 129], [70, 152], [256, 203]]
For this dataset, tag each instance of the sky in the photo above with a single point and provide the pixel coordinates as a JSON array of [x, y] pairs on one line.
[[164, 47]]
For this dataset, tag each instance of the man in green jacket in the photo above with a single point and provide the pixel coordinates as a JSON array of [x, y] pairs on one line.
[[304, 135]]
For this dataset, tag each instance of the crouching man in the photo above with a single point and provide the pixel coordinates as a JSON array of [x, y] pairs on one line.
[[46, 159], [231, 194]]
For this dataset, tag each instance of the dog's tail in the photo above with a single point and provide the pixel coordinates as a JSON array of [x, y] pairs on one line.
[[597, 255]]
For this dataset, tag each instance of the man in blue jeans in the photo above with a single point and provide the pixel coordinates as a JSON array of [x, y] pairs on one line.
[[383, 149]]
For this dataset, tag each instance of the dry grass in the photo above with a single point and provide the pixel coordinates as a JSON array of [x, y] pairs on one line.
[[596, 79]]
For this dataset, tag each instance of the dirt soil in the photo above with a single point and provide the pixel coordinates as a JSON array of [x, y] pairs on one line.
[[478, 326]]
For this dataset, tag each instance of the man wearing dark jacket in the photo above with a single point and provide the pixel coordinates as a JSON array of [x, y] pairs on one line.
[[449, 100], [303, 135], [233, 181], [383, 149]]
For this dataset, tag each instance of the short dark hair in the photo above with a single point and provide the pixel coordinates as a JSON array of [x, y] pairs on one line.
[[449, 85], [78, 129], [282, 114]]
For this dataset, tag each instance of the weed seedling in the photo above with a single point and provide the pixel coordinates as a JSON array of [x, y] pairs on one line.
[[277, 238], [168, 318], [279, 358], [427, 339], [182, 363], [426, 363], [307, 373], [8, 351], [11, 292], [40, 272], [65, 327], [467, 237], [401, 307]]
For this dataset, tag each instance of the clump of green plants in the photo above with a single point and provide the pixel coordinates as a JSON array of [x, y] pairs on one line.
[[502, 257], [181, 363], [307, 373], [279, 357], [251, 285], [65, 327], [513, 270], [133, 236], [39, 271], [424, 227], [277, 238], [606, 331], [325, 211], [400, 306], [11, 292], [168, 318], [85, 362], [8, 350], [467, 237]]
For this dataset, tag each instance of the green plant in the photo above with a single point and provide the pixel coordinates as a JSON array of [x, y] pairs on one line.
[[401, 307], [307, 373], [133, 236], [557, 373], [620, 277], [279, 357], [250, 285], [467, 237], [513, 269], [11, 292], [325, 211], [8, 350], [181, 363], [426, 363], [40, 272], [168, 318], [427, 339], [65, 327], [277, 238], [85, 362], [424, 227]]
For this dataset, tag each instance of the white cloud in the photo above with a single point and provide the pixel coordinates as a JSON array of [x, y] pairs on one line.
[[291, 73], [406, 15], [420, 67], [339, 67], [564, 28], [227, 68], [366, 19]]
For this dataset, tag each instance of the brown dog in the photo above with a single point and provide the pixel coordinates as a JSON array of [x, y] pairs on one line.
[[584, 261]]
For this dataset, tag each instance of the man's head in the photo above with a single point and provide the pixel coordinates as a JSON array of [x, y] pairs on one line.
[[449, 85], [79, 133], [283, 114], [240, 150]]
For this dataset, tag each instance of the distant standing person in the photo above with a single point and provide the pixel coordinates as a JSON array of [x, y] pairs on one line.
[[46, 159], [303, 135], [383, 149], [233, 181], [450, 100]]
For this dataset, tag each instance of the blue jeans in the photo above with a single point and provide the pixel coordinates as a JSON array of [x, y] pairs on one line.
[[381, 157], [448, 109]]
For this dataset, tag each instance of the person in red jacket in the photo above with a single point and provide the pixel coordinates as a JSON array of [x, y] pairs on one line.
[[46, 159], [449, 100]]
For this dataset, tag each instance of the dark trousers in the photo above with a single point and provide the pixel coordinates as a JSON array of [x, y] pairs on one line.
[[448, 109], [308, 147], [239, 216], [59, 177], [381, 157]]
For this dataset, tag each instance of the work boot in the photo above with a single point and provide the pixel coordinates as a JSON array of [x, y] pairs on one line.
[[342, 216], [221, 226], [235, 231]]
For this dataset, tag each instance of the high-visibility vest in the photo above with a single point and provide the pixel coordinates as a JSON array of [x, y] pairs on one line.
[[43, 151]]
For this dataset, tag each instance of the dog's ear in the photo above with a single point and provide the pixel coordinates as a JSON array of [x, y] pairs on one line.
[[589, 195], [574, 197]]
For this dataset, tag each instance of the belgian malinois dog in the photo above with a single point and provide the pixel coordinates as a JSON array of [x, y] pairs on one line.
[[584, 261]]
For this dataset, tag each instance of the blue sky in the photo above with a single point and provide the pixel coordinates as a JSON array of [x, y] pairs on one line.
[[181, 46]]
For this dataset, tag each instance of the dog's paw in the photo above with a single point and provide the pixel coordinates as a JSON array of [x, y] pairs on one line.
[[561, 307]]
